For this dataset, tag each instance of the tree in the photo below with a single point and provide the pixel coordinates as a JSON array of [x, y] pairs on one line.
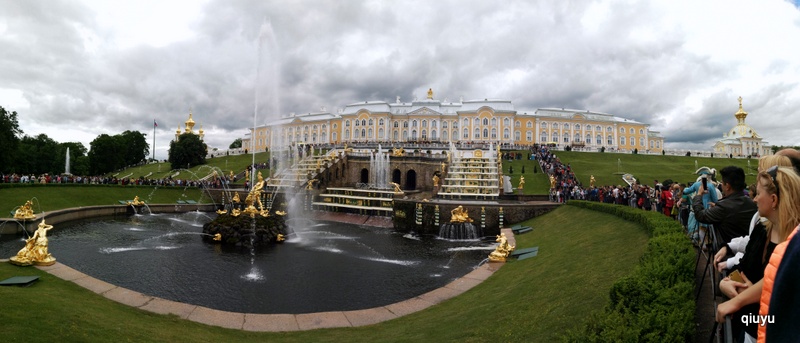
[[104, 155], [187, 151], [9, 139], [134, 147], [38, 155], [237, 144]]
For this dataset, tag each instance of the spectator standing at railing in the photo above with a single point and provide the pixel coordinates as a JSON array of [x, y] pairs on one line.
[[779, 201]]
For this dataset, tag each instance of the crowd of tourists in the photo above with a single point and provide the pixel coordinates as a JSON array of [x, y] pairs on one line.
[[753, 230], [214, 182]]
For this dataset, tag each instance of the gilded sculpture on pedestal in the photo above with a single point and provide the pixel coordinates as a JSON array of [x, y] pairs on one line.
[[136, 201], [460, 215], [552, 181], [591, 181], [521, 182], [503, 249], [435, 180], [35, 250], [25, 212]]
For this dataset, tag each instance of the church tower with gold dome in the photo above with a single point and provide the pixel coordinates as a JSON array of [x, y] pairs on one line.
[[742, 140], [189, 128]]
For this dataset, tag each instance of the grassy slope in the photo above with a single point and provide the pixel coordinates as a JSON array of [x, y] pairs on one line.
[[645, 168], [533, 300]]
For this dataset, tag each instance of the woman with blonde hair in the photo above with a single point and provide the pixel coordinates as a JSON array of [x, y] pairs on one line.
[[778, 201]]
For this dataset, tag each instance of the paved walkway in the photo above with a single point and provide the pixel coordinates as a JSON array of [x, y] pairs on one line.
[[279, 322]]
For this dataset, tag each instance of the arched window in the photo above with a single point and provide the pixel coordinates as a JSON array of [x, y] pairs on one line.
[[370, 136], [424, 123], [477, 121], [395, 134], [363, 133], [405, 135], [577, 127], [577, 138], [444, 135], [335, 126], [494, 133], [610, 140], [652, 144], [599, 139], [334, 137], [444, 124], [346, 123], [566, 138], [588, 138], [494, 121], [555, 137], [633, 141], [314, 137], [380, 134], [347, 134], [414, 123], [380, 122], [528, 124], [486, 121], [477, 133], [358, 123], [641, 141], [455, 124], [370, 121], [609, 129], [433, 134], [424, 135], [621, 130], [543, 137], [529, 136], [507, 122], [544, 124], [622, 140], [505, 133], [413, 135], [466, 122], [641, 131], [485, 133], [633, 131], [466, 133], [598, 129], [396, 124], [455, 134], [405, 124], [658, 145], [433, 124]]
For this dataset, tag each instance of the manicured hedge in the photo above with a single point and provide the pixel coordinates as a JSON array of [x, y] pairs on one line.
[[655, 303]]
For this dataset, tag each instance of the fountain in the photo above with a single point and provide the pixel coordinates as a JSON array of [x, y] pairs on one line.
[[460, 226], [66, 167], [379, 170]]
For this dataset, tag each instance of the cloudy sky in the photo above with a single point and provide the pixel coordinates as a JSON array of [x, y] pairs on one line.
[[76, 69]]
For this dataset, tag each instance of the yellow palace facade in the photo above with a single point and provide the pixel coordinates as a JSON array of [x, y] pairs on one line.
[[432, 120]]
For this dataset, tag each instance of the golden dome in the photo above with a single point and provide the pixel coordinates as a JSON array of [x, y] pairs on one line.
[[189, 123]]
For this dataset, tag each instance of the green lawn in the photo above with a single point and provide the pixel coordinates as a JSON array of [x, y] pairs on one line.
[[237, 163], [55, 197], [646, 168], [533, 300]]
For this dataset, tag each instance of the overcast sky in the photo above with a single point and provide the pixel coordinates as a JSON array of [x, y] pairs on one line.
[[76, 69]]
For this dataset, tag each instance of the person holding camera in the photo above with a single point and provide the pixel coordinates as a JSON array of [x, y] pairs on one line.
[[730, 215]]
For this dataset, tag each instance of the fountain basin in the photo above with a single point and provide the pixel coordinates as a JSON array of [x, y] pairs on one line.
[[321, 267]]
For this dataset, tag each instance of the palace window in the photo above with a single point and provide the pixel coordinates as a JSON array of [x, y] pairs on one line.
[[598, 129], [599, 139], [433, 134], [555, 137], [380, 133], [641, 142], [444, 134], [633, 131], [543, 137], [347, 123], [424, 123], [380, 122], [577, 127], [528, 124], [505, 133], [370, 133], [414, 123], [486, 121], [413, 135], [633, 141], [477, 133], [370, 122], [466, 133], [466, 123], [528, 136], [544, 125], [588, 138], [577, 138], [610, 140], [433, 124], [346, 134], [507, 122], [609, 129], [405, 124], [444, 124], [566, 138], [622, 140], [622, 130], [396, 124], [358, 123], [641, 131]]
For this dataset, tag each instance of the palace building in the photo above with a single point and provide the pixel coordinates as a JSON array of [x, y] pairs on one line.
[[432, 120], [742, 139]]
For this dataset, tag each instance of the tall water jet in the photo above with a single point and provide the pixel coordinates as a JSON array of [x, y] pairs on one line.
[[266, 92], [379, 167], [66, 168]]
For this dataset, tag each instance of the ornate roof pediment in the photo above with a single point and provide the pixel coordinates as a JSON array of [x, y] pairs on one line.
[[424, 111]]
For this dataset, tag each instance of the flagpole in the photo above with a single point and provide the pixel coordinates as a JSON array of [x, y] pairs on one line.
[[154, 139]]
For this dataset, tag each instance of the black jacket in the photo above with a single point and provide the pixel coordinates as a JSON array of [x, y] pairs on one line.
[[730, 216]]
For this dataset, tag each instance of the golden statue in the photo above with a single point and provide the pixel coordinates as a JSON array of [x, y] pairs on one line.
[[521, 182], [310, 184], [503, 249], [136, 201], [280, 213], [443, 165], [398, 151], [236, 198], [231, 175], [280, 238], [25, 212], [254, 198], [222, 211], [591, 181], [396, 187], [552, 181], [435, 180], [430, 93], [35, 250], [460, 215], [217, 237]]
